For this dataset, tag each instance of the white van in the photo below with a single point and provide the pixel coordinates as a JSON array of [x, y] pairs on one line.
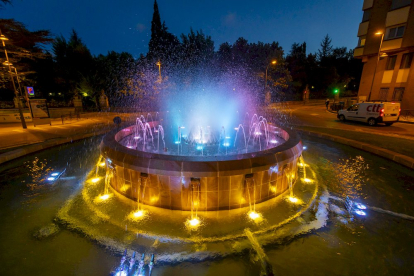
[[371, 113]]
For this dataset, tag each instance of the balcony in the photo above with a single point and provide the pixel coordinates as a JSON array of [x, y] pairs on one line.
[[398, 16], [391, 44], [367, 4], [359, 51], [363, 28]]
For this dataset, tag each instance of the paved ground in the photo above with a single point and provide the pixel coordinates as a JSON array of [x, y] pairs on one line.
[[13, 136], [318, 116], [398, 138]]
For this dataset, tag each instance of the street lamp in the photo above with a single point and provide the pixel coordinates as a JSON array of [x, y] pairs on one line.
[[9, 64], [267, 95], [378, 58], [159, 68]]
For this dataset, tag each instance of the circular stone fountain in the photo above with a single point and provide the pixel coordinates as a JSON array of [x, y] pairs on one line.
[[193, 175]]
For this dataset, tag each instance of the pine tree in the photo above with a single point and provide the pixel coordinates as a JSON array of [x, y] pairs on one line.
[[156, 30], [326, 48]]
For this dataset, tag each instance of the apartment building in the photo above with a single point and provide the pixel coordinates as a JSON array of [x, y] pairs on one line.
[[386, 46]]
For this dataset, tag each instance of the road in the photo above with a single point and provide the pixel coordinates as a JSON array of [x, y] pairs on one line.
[[318, 116]]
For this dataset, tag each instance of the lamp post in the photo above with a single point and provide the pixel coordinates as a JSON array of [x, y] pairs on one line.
[[376, 65], [267, 95], [9, 64], [159, 68]]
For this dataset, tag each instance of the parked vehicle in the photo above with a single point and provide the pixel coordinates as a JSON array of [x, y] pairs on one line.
[[372, 113]]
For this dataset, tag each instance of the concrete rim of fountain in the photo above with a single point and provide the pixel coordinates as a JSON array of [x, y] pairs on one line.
[[199, 166]]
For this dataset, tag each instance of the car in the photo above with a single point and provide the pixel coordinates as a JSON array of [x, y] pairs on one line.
[[371, 113]]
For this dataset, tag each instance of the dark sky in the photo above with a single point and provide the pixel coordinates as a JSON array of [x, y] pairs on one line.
[[125, 25]]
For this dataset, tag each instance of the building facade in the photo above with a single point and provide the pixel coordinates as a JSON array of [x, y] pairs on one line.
[[386, 46]]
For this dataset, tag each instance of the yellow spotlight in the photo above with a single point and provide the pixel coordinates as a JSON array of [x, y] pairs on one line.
[[138, 213], [274, 61], [253, 215], [300, 164], [2, 37], [307, 180], [378, 33], [104, 197], [194, 222], [102, 164], [293, 199], [96, 179]]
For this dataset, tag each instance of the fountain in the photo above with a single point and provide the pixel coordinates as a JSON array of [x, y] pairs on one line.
[[204, 155]]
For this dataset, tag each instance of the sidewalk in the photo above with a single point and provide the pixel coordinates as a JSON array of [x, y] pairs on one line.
[[16, 141]]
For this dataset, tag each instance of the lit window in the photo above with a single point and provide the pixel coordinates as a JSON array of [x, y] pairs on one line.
[[391, 63], [406, 61], [398, 94], [396, 4], [361, 41], [395, 32]]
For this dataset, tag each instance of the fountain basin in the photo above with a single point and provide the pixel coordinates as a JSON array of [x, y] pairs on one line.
[[220, 182]]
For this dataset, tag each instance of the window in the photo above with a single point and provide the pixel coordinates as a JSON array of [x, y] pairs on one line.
[[406, 61], [383, 94], [361, 41], [367, 15], [395, 32], [396, 4], [391, 63], [398, 94]]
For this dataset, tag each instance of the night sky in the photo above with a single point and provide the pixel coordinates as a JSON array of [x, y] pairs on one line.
[[125, 25]]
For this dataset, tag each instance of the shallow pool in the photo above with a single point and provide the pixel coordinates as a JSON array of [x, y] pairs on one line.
[[378, 244]]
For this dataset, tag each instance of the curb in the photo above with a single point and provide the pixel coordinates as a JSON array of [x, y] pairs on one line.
[[396, 157], [10, 155]]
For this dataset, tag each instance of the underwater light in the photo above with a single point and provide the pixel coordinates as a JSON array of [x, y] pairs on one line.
[[226, 144], [360, 206], [228, 137], [257, 133], [199, 148], [51, 178], [273, 141], [293, 199], [104, 197], [194, 222], [94, 180], [236, 128], [138, 213], [137, 137], [55, 174], [361, 213], [253, 215], [102, 164], [177, 142]]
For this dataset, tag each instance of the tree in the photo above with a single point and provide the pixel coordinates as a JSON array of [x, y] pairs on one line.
[[326, 48], [162, 44], [25, 49], [73, 62], [4, 2]]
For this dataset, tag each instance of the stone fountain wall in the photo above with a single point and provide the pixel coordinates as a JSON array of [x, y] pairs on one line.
[[222, 182]]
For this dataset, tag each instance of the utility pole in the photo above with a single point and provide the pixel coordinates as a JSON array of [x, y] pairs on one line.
[[8, 63]]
